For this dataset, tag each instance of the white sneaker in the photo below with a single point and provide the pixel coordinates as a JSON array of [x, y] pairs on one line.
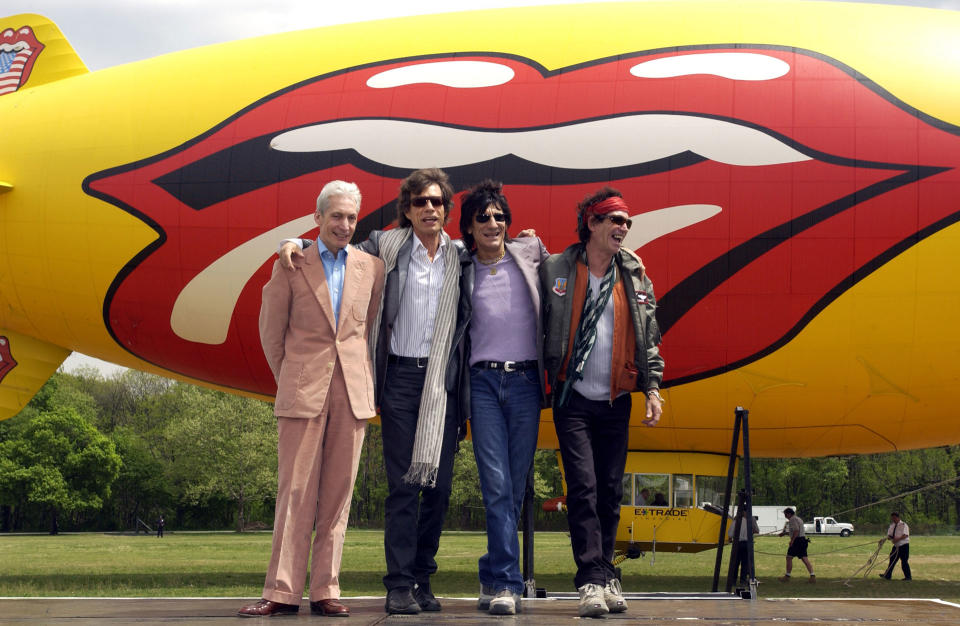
[[486, 595], [505, 603], [591, 601], [613, 596]]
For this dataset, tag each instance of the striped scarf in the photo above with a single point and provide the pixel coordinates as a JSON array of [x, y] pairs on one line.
[[433, 400], [587, 332]]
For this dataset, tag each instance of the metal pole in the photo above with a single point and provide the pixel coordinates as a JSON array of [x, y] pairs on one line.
[[529, 584], [748, 489], [726, 500]]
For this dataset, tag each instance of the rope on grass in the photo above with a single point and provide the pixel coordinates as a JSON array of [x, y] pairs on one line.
[[844, 548], [867, 567]]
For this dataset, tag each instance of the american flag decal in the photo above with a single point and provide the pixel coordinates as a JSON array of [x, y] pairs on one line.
[[18, 52]]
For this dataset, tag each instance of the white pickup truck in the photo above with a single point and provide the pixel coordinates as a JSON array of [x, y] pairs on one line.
[[828, 526]]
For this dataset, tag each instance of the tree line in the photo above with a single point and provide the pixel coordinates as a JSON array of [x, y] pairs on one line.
[[111, 454]]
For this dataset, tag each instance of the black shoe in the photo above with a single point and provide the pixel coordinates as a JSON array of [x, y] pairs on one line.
[[400, 601], [425, 598]]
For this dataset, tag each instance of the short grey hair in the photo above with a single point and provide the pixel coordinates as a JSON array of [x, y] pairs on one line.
[[337, 188]]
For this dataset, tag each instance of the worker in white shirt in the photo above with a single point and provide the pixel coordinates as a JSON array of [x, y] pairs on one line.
[[899, 534]]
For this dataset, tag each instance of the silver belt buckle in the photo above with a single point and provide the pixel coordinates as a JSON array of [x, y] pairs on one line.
[[422, 361], [509, 366]]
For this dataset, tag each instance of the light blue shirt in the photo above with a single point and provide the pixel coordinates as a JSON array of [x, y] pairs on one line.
[[334, 269]]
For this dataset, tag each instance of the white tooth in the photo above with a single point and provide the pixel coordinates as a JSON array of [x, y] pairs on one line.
[[612, 142], [459, 74], [732, 65]]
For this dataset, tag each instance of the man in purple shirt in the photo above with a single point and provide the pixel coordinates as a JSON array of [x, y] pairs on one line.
[[504, 353]]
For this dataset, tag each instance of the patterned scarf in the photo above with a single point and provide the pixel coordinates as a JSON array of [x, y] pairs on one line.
[[587, 332], [433, 400]]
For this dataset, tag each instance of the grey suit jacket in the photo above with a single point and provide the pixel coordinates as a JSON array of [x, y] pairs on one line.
[[392, 292]]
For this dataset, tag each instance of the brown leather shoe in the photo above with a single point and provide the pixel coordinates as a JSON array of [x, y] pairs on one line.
[[267, 608], [329, 608]]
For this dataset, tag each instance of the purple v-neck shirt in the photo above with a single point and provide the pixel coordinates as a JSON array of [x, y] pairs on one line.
[[504, 324]]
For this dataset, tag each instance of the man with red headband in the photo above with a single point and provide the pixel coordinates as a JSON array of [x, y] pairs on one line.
[[600, 346]]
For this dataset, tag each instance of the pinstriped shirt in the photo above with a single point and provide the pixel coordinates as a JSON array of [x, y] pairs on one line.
[[413, 329]]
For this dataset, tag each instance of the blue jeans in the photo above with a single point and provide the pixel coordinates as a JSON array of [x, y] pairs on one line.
[[504, 424]]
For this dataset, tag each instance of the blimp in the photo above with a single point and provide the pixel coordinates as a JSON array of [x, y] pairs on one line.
[[792, 168]]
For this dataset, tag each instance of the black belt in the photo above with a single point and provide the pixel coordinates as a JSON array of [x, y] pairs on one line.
[[410, 361], [506, 366]]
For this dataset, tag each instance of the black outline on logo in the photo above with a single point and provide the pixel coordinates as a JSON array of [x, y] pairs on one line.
[[701, 282]]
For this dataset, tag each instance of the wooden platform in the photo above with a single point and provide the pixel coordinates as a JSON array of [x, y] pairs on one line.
[[462, 611]]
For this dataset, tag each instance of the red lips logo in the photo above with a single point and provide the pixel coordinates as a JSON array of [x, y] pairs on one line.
[[764, 181], [7, 361], [19, 50]]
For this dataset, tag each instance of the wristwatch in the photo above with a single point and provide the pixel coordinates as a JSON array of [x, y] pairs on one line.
[[656, 394]]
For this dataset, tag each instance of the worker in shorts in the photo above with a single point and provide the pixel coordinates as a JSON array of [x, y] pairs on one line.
[[798, 544]]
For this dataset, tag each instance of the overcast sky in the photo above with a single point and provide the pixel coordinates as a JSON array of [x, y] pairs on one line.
[[112, 32]]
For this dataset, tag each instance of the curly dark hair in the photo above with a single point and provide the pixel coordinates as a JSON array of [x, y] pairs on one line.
[[416, 183], [475, 200], [583, 229]]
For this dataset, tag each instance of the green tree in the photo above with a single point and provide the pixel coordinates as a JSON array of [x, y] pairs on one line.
[[370, 488], [223, 446], [59, 461], [141, 489], [466, 502]]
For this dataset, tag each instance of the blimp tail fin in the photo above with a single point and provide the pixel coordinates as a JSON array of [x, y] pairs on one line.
[[33, 51], [25, 365]]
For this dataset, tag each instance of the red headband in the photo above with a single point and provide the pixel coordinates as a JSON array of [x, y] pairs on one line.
[[613, 203]]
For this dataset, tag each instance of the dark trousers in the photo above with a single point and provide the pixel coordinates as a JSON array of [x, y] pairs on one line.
[[743, 555], [901, 554], [593, 446], [414, 515]]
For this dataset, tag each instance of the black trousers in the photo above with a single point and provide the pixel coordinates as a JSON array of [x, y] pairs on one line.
[[743, 555], [593, 445], [901, 554], [414, 515]]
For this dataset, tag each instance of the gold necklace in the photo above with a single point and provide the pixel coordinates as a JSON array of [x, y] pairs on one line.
[[493, 270]]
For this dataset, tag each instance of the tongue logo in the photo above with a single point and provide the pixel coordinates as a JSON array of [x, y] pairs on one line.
[[7, 361], [18, 51], [759, 193]]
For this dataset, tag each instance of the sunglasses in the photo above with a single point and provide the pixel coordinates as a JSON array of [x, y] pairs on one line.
[[420, 202], [483, 218], [619, 220]]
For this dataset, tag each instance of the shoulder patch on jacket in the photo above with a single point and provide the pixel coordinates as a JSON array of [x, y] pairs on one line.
[[560, 287]]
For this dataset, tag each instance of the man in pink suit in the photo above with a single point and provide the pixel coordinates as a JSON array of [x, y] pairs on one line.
[[314, 327]]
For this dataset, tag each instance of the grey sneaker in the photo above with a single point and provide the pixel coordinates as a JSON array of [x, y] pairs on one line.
[[505, 603], [486, 595], [591, 601], [613, 596]]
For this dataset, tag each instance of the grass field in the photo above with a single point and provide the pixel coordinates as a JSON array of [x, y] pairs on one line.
[[230, 564]]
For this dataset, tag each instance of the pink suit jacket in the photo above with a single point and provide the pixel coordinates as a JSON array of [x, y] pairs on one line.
[[301, 339]]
